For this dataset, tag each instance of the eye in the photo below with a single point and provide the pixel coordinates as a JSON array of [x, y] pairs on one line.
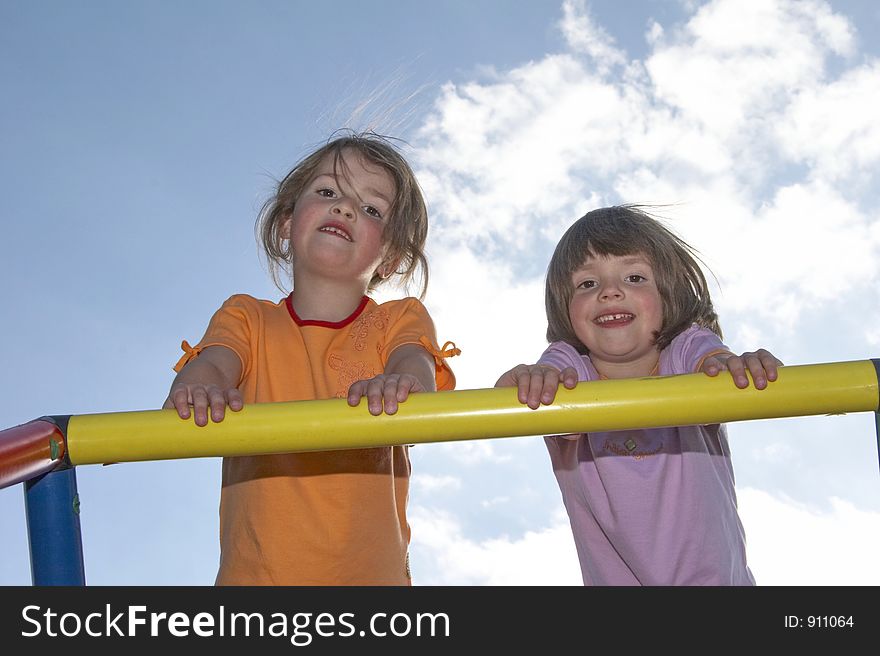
[[586, 284], [635, 278], [326, 192], [372, 211]]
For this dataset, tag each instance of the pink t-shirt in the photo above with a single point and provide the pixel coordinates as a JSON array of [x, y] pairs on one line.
[[657, 506]]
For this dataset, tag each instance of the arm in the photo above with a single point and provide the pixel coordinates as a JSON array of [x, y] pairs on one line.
[[761, 364], [208, 381], [410, 368], [537, 383]]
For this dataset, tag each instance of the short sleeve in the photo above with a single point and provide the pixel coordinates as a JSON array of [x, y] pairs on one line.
[[230, 326], [413, 325], [562, 354], [688, 349]]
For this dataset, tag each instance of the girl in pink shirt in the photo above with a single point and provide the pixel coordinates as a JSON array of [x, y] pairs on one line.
[[626, 298]]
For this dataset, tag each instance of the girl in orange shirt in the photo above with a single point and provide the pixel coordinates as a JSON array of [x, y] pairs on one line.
[[345, 219]]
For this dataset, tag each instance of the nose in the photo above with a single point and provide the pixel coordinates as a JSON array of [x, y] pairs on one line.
[[344, 208], [610, 292]]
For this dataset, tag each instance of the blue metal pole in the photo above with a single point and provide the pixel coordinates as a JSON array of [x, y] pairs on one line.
[[54, 534]]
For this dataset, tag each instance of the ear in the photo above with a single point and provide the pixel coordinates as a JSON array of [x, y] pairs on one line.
[[286, 227], [388, 268]]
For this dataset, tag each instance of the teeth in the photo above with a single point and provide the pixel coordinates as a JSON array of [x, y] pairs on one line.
[[613, 317], [336, 231]]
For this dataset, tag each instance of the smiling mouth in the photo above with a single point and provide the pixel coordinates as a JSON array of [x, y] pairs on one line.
[[333, 230], [616, 318]]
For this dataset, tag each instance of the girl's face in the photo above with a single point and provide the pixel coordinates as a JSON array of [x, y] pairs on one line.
[[337, 224], [615, 310]]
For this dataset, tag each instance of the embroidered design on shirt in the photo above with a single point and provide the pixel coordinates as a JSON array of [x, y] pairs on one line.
[[349, 372], [377, 320], [629, 449]]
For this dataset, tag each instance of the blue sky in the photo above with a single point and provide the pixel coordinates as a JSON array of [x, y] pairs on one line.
[[139, 140]]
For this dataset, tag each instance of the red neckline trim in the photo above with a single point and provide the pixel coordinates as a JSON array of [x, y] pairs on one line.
[[325, 324]]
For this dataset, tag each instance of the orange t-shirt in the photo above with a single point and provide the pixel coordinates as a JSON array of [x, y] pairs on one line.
[[327, 517]]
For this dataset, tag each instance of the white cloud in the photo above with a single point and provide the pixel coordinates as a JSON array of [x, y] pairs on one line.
[[541, 557], [473, 452], [783, 535], [872, 335], [815, 130], [779, 452], [430, 483], [495, 501], [508, 158], [492, 314], [731, 120], [736, 62], [583, 35], [722, 26], [818, 243]]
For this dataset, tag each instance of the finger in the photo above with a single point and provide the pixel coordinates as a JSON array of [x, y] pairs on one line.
[[356, 392], [712, 366], [550, 386], [536, 388], [405, 385], [569, 377], [180, 400], [736, 367], [752, 364], [523, 379], [234, 399], [374, 396], [217, 403], [756, 368], [770, 363], [389, 391], [200, 405], [762, 364]]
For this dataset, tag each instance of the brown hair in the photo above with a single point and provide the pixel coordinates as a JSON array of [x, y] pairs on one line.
[[404, 234], [628, 230]]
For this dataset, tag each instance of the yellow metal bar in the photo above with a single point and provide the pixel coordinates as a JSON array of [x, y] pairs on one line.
[[802, 390]]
